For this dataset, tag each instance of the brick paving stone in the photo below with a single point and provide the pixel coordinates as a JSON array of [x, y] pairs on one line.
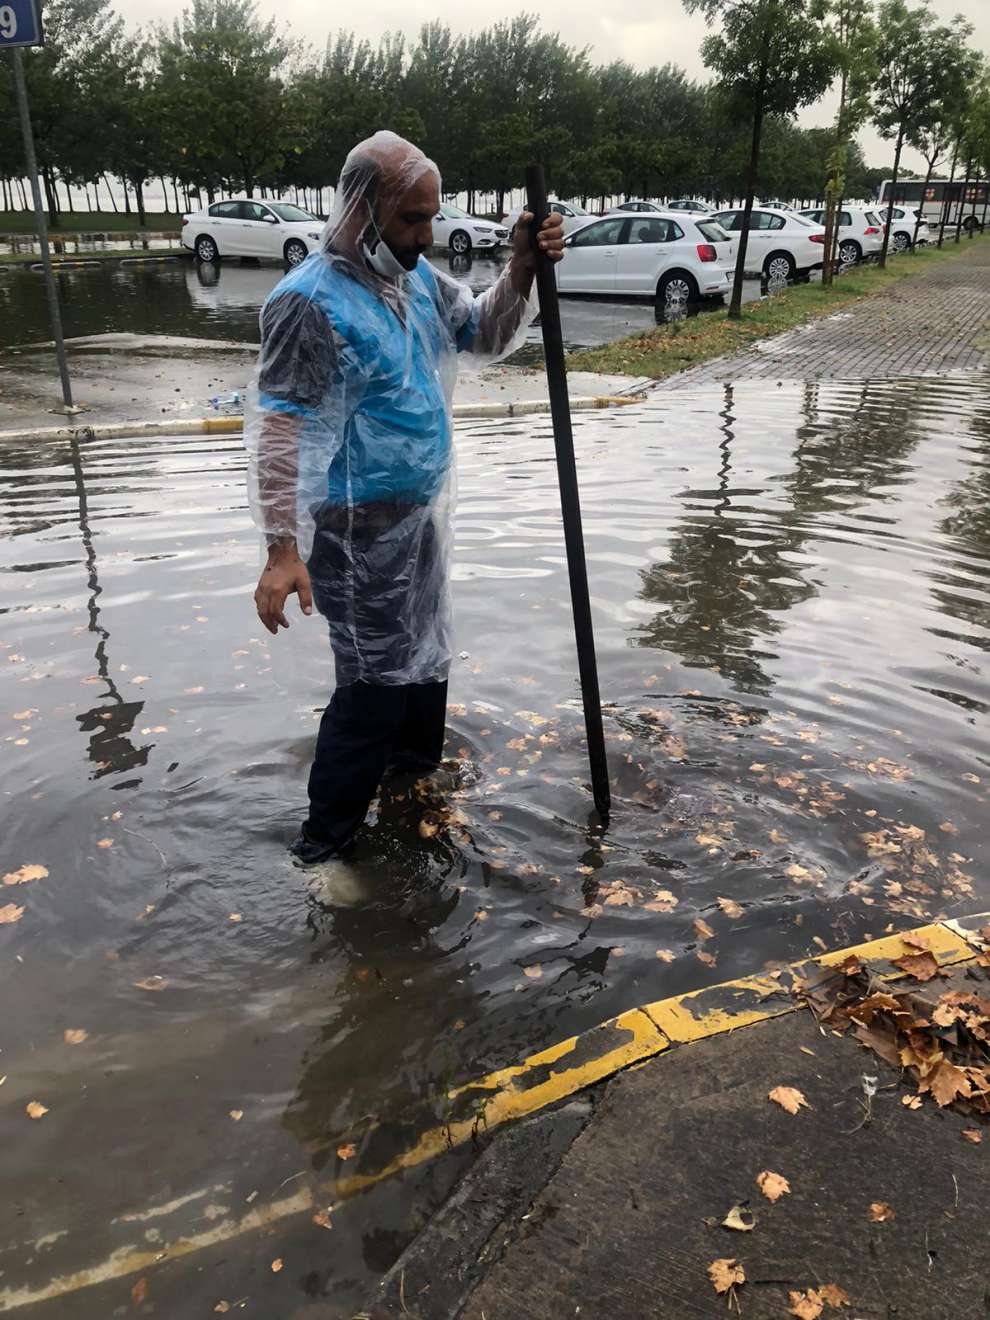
[[932, 324]]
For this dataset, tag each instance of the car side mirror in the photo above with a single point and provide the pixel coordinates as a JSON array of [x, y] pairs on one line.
[[271, 220]]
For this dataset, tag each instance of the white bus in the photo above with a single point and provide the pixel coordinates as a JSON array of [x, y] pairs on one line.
[[941, 199]]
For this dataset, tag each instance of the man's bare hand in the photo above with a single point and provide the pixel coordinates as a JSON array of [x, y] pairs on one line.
[[551, 239], [284, 574]]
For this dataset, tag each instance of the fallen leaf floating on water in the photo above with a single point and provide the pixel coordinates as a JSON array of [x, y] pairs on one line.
[[10, 913], [237, 1115], [75, 1036], [427, 828], [151, 983], [946, 1083], [731, 908], [703, 930], [347, 1151], [235, 917], [772, 1185], [880, 1212], [973, 1134], [665, 955], [806, 1305], [104, 843], [322, 1218], [788, 1098], [740, 1219], [835, 1296], [34, 1109], [26, 715], [222, 1307], [277, 1265], [534, 973], [139, 1292], [726, 1275], [911, 1101], [25, 874]]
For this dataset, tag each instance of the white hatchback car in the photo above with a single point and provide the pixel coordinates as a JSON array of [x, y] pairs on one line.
[[672, 258], [243, 227], [461, 232], [860, 233], [781, 244], [902, 223]]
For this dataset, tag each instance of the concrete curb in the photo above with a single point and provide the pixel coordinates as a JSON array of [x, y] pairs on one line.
[[235, 425]]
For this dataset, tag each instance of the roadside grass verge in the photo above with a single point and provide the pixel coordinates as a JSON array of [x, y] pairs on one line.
[[671, 348], [75, 222]]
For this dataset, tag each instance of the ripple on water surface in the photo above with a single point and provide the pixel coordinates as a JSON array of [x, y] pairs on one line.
[[790, 591]]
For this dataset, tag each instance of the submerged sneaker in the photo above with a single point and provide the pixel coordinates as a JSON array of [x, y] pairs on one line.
[[310, 852]]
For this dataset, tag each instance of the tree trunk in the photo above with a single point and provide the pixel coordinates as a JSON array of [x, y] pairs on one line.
[[962, 197], [113, 200], [947, 196], [890, 199], [127, 196], [51, 197], [986, 198], [735, 303], [20, 189], [139, 200], [921, 203]]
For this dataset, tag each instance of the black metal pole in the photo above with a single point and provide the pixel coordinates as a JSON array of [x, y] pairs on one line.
[[570, 502]]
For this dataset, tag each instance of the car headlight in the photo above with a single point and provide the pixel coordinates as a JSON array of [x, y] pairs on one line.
[[483, 229]]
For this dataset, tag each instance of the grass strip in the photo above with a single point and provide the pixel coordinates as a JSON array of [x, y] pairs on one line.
[[671, 348], [88, 222]]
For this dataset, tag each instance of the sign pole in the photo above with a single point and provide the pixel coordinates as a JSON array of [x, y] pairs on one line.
[[570, 502], [42, 229]]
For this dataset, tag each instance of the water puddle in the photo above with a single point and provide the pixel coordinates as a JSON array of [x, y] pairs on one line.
[[791, 596]]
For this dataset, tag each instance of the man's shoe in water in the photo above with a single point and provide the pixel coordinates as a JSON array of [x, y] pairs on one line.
[[310, 852]]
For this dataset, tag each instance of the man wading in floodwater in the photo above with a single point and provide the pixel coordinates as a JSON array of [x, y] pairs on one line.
[[350, 436]]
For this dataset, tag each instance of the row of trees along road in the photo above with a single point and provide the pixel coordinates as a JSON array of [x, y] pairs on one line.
[[224, 100], [917, 80]]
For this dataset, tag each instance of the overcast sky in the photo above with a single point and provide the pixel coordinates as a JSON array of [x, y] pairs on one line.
[[644, 32]]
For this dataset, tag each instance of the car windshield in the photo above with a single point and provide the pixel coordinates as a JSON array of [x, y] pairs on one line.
[[291, 214], [577, 208], [713, 232], [455, 213]]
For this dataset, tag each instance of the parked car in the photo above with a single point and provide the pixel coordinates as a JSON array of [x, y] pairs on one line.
[[461, 232], [636, 206], [691, 204], [860, 233], [902, 223], [243, 227], [667, 257], [574, 216], [781, 244], [777, 206]]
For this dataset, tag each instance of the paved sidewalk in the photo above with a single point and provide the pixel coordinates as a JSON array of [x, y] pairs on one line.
[[932, 324]]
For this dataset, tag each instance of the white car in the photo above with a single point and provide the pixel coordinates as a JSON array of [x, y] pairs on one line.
[[636, 206], [781, 244], [902, 222], [672, 258], [461, 232], [691, 204], [243, 227], [573, 215], [860, 233]]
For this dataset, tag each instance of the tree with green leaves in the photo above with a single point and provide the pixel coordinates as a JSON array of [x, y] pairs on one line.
[[911, 53], [773, 56], [943, 121]]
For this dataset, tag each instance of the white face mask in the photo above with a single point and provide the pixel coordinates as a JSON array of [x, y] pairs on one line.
[[379, 255]]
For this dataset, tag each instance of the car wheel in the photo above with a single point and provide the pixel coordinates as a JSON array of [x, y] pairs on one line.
[[850, 253], [295, 252], [460, 242], [206, 248], [971, 222], [677, 286], [900, 242], [779, 266]]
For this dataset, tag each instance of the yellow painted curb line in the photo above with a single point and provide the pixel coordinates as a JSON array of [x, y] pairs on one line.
[[235, 425], [545, 1078]]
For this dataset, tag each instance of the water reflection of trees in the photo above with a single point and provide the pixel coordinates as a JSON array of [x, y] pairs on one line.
[[731, 576], [967, 525]]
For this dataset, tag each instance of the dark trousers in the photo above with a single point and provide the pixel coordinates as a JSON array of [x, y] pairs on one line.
[[366, 732]]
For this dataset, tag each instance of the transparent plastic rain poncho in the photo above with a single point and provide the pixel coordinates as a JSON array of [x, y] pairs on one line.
[[349, 426]]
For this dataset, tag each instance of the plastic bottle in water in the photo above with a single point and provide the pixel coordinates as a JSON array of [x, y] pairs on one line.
[[227, 403]]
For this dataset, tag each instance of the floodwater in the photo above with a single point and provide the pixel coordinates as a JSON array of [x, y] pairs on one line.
[[791, 597], [180, 297]]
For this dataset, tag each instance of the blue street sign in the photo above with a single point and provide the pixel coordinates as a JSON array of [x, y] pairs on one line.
[[20, 23]]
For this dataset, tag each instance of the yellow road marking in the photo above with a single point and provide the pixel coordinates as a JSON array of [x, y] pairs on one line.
[[542, 1079]]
